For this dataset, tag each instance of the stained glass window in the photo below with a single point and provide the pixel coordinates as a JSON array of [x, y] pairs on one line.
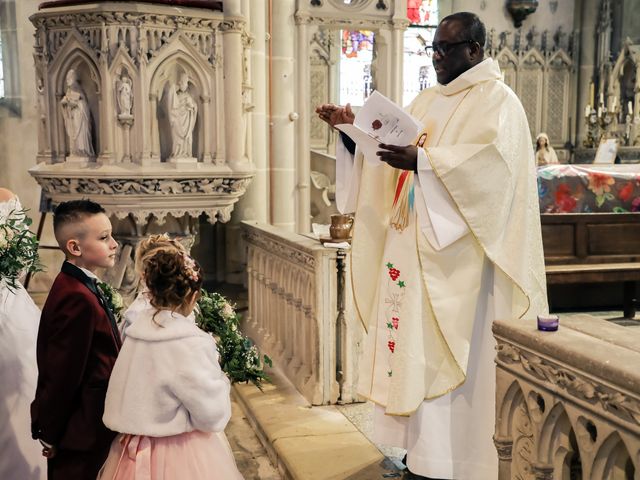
[[418, 71], [356, 56]]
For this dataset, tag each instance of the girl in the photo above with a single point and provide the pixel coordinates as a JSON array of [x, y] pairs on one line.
[[167, 394], [146, 248]]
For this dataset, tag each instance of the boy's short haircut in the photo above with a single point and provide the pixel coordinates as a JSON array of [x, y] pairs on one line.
[[74, 211]]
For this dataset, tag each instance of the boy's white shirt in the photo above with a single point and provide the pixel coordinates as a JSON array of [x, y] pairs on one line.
[[89, 273]]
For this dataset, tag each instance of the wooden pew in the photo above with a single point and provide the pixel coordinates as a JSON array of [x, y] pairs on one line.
[[593, 248]]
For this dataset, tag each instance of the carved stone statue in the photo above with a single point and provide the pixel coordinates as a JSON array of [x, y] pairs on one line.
[[77, 118], [124, 97], [42, 114], [545, 153], [183, 112]]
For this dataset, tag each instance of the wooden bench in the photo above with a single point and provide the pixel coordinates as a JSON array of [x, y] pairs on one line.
[[593, 248]]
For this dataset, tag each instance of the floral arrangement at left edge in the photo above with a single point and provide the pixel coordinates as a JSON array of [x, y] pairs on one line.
[[18, 249]]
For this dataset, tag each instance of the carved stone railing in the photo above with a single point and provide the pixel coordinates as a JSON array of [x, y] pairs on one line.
[[293, 312], [568, 403]]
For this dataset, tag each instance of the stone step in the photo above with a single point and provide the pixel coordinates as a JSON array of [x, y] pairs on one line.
[[307, 442]]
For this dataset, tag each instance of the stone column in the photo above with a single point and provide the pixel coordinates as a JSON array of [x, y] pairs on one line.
[[145, 110], [303, 160], [282, 113], [104, 132], [207, 157], [153, 124], [585, 24], [399, 25], [504, 446], [232, 44], [254, 205]]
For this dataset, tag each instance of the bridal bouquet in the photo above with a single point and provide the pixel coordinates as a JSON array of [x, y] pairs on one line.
[[239, 357], [18, 248]]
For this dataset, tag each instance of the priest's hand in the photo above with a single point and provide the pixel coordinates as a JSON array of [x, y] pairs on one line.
[[403, 158], [335, 114]]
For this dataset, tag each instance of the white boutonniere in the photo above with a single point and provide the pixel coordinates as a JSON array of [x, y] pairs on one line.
[[114, 300]]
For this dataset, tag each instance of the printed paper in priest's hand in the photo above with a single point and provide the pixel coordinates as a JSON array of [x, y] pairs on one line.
[[380, 121]]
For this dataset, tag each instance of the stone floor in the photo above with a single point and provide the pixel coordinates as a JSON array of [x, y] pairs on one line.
[[251, 457]]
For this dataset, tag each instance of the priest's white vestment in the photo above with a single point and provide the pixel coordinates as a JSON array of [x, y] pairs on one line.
[[437, 256]]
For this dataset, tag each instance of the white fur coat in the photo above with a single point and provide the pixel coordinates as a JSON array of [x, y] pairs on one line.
[[167, 379]]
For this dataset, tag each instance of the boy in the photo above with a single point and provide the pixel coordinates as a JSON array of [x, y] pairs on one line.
[[78, 342]]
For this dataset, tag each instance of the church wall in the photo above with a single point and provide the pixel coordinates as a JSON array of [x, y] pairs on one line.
[[494, 14], [19, 134], [630, 21]]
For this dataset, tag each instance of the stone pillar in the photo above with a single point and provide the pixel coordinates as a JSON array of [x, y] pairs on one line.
[[153, 124], [255, 204], [303, 160], [282, 113], [585, 24], [399, 25], [504, 446], [232, 45], [104, 145], [207, 157]]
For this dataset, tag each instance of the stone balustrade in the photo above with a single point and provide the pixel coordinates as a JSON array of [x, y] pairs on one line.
[[568, 402], [293, 312]]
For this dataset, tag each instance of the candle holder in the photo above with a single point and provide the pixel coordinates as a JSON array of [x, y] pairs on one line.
[[591, 119], [548, 323], [602, 123]]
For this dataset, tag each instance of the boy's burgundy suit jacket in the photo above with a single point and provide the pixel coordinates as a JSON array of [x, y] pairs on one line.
[[78, 343]]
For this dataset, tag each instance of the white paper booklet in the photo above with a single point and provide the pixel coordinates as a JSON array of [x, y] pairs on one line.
[[380, 121]]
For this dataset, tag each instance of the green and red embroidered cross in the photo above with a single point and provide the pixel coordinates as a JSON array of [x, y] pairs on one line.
[[395, 295]]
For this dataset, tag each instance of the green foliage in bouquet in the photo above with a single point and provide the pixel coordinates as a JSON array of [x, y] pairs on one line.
[[18, 248], [114, 300], [239, 357]]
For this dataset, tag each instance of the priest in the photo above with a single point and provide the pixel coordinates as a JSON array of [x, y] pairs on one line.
[[447, 238]]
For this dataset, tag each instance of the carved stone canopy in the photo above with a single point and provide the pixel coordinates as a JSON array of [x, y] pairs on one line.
[[209, 4]]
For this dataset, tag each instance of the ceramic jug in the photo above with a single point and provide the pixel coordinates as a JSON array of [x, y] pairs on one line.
[[340, 228]]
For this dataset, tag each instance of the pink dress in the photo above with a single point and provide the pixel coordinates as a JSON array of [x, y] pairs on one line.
[[187, 456]]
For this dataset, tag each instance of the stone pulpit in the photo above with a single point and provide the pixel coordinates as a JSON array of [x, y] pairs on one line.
[[142, 110]]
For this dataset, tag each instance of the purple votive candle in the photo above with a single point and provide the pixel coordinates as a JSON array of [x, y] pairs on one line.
[[548, 323]]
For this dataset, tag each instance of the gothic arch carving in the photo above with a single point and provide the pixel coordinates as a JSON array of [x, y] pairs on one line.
[[556, 91], [530, 88], [509, 65], [614, 460], [72, 56], [507, 408], [624, 81], [558, 442], [194, 63], [165, 69]]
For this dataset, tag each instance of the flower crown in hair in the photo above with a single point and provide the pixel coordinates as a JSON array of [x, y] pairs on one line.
[[190, 267]]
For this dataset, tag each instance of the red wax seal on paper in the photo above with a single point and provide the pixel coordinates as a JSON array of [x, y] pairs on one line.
[[376, 124]]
